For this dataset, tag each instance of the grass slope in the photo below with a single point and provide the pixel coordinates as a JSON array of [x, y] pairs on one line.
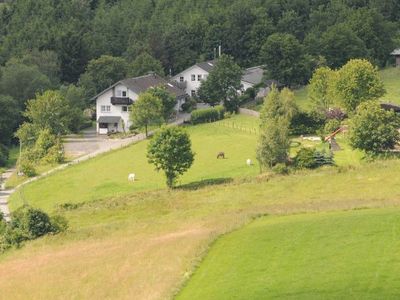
[[349, 254], [144, 245], [106, 175]]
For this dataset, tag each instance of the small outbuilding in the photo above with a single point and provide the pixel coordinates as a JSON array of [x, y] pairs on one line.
[[396, 54]]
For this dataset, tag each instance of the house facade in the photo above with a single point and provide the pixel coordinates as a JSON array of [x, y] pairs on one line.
[[113, 104], [191, 78], [396, 54]]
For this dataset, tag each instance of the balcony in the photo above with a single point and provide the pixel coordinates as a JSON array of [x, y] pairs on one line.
[[121, 101]]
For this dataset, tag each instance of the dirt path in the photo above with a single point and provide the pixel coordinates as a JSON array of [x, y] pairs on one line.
[[4, 194]]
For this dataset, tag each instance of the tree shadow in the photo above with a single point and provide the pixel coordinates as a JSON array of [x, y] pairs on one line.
[[204, 183]]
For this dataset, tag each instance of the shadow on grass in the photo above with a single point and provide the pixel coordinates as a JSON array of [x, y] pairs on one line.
[[204, 183]]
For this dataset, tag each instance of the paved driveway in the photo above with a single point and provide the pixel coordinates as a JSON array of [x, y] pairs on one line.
[[85, 143]]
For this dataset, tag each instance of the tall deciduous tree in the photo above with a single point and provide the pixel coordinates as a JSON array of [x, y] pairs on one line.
[[170, 150], [9, 117], [222, 84], [146, 111], [373, 129], [358, 81], [273, 144], [285, 59], [102, 73], [145, 63], [51, 111], [22, 82], [168, 100], [321, 88]]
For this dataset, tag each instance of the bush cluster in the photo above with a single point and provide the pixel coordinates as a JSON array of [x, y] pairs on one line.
[[28, 224], [308, 158], [207, 115], [306, 123]]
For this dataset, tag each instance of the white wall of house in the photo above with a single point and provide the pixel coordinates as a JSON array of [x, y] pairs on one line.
[[246, 85], [105, 108], [193, 78]]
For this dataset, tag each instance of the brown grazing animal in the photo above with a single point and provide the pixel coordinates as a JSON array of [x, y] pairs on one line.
[[221, 155]]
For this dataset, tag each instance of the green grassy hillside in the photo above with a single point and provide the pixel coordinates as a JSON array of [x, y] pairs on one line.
[[107, 175], [343, 255], [145, 245]]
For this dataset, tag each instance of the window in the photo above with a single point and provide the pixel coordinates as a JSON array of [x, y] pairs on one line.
[[193, 77], [124, 108], [105, 108], [123, 93], [193, 93], [181, 79], [199, 77]]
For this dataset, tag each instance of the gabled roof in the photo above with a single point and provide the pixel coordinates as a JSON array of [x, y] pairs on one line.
[[396, 52], [143, 83], [207, 65], [253, 75]]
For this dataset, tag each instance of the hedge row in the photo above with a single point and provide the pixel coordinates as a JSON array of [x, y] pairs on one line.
[[207, 115]]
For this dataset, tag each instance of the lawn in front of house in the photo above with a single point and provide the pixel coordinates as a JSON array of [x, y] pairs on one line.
[[107, 174], [352, 254]]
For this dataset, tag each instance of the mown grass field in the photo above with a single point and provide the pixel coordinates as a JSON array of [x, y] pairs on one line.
[[145, 245], [341, 255]]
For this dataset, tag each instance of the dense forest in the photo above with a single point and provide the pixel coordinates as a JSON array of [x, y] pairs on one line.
[[61, 45]]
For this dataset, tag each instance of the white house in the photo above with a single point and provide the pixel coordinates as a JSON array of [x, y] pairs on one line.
[[112, 104], [191, 78]]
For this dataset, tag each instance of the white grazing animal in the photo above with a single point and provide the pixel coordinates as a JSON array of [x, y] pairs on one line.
[[131, 177], [249, 162]]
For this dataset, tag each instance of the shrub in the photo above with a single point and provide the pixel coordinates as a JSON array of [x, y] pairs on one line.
[[331, 126], [33, 222], [3, 155], [55, 154], [26, 167], [281, 169], [305, 159], [335, 113], [189, 105], [308, 158], [58, 224], [306, 122], [44, 142], [211, 114]]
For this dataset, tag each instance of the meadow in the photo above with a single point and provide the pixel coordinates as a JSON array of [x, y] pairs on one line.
[[336, 255], [145, 245], [140, 240], [106, 175]]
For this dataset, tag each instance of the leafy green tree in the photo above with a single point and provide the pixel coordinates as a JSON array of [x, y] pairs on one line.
[[51, 111], [147, 111], [22, 82], [358, 81], [373, 129], [170, 150], [222, 84], [276, 114], [273, 143], [102, 73], [285, 59], [168, 101], [321, 88], [340, 43], [48, 63], [9, 118], [145, 63]]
